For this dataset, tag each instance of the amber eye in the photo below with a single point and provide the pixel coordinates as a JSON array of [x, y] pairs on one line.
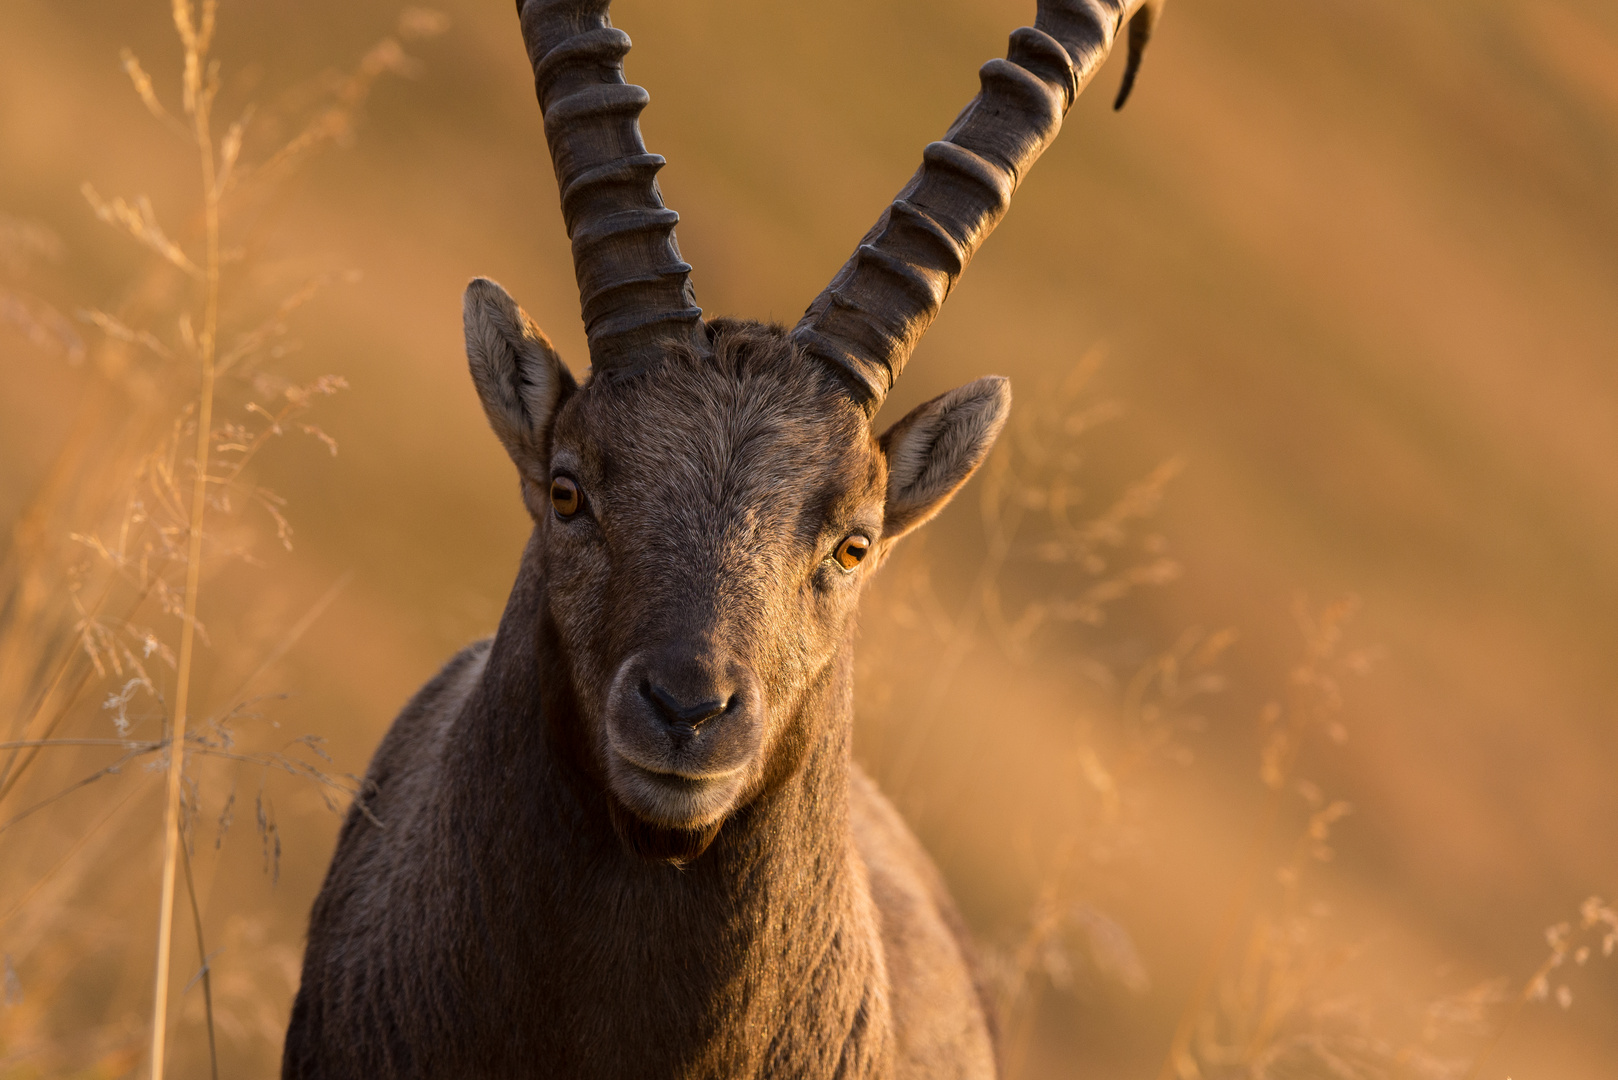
[[565, 497], [851, 551]]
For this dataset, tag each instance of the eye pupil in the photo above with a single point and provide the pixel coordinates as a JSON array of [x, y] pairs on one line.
[[851, 551], [564, 496]]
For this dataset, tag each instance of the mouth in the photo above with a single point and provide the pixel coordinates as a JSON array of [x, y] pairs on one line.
[[680, 783], [679, 800]]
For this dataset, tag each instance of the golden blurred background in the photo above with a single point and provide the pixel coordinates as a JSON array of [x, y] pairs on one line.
[[1350, 267]]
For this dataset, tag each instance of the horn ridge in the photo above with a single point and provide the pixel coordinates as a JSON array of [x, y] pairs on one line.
[[869, 318], [635, 290]]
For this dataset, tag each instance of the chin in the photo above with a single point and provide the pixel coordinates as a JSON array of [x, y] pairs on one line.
[[668, 817]]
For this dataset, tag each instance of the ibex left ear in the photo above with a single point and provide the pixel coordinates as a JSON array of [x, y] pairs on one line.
[[520, 379], [935, 449]]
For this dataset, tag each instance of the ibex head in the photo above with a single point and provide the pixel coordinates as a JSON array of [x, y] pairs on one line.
[[709, 503]]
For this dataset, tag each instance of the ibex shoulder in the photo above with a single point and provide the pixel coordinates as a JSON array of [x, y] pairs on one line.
[[938, 999], [416, 737]]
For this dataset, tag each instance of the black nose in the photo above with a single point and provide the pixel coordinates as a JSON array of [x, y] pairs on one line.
[[673, 711]]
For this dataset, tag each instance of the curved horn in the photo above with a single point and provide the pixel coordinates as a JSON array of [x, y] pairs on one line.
[[634, 289], [870, 317]]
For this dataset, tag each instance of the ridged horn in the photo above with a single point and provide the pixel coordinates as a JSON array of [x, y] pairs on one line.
[[870, 317], [634, 289]]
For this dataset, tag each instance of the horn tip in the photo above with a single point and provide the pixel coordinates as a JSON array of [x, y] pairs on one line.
[[1123, 90], [1141, 25]]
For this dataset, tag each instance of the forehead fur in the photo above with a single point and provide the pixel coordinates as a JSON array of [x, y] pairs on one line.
[[756, 428]]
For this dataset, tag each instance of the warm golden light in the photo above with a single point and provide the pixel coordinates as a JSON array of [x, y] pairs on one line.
[[1257, 699]]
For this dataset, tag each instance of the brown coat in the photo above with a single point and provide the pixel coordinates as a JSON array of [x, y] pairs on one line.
[[492, 909]]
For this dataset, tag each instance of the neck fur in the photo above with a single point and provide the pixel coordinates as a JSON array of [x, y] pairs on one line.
[[760, 956]]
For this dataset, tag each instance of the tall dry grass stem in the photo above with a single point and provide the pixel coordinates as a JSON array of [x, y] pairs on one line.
[[199, 95]]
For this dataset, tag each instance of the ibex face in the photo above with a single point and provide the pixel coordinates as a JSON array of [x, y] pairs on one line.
[[709, 503], [705, 526]]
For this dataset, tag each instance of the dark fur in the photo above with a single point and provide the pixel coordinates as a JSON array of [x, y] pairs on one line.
[[505, 919]]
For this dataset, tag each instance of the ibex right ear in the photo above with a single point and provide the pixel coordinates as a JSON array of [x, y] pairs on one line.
[[520, 379], [935, 449]]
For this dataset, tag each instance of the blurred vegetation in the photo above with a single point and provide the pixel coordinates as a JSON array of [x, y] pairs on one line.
[[1352, 265]]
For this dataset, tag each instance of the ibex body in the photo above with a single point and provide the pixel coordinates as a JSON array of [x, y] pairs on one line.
[[626, 836]]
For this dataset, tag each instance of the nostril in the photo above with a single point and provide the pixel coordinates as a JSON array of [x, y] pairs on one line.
[[673, 711]]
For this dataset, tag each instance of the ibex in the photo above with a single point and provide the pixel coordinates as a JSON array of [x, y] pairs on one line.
[[626, 836]]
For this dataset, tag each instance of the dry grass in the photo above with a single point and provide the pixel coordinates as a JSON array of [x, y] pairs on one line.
[[155, 497], [1270, 1000]]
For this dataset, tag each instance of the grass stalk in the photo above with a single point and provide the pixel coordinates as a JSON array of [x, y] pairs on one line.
[[205, 971], [199, 92]]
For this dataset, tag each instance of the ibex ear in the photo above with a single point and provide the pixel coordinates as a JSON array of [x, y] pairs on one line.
[[933, 451], [519, 377]]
